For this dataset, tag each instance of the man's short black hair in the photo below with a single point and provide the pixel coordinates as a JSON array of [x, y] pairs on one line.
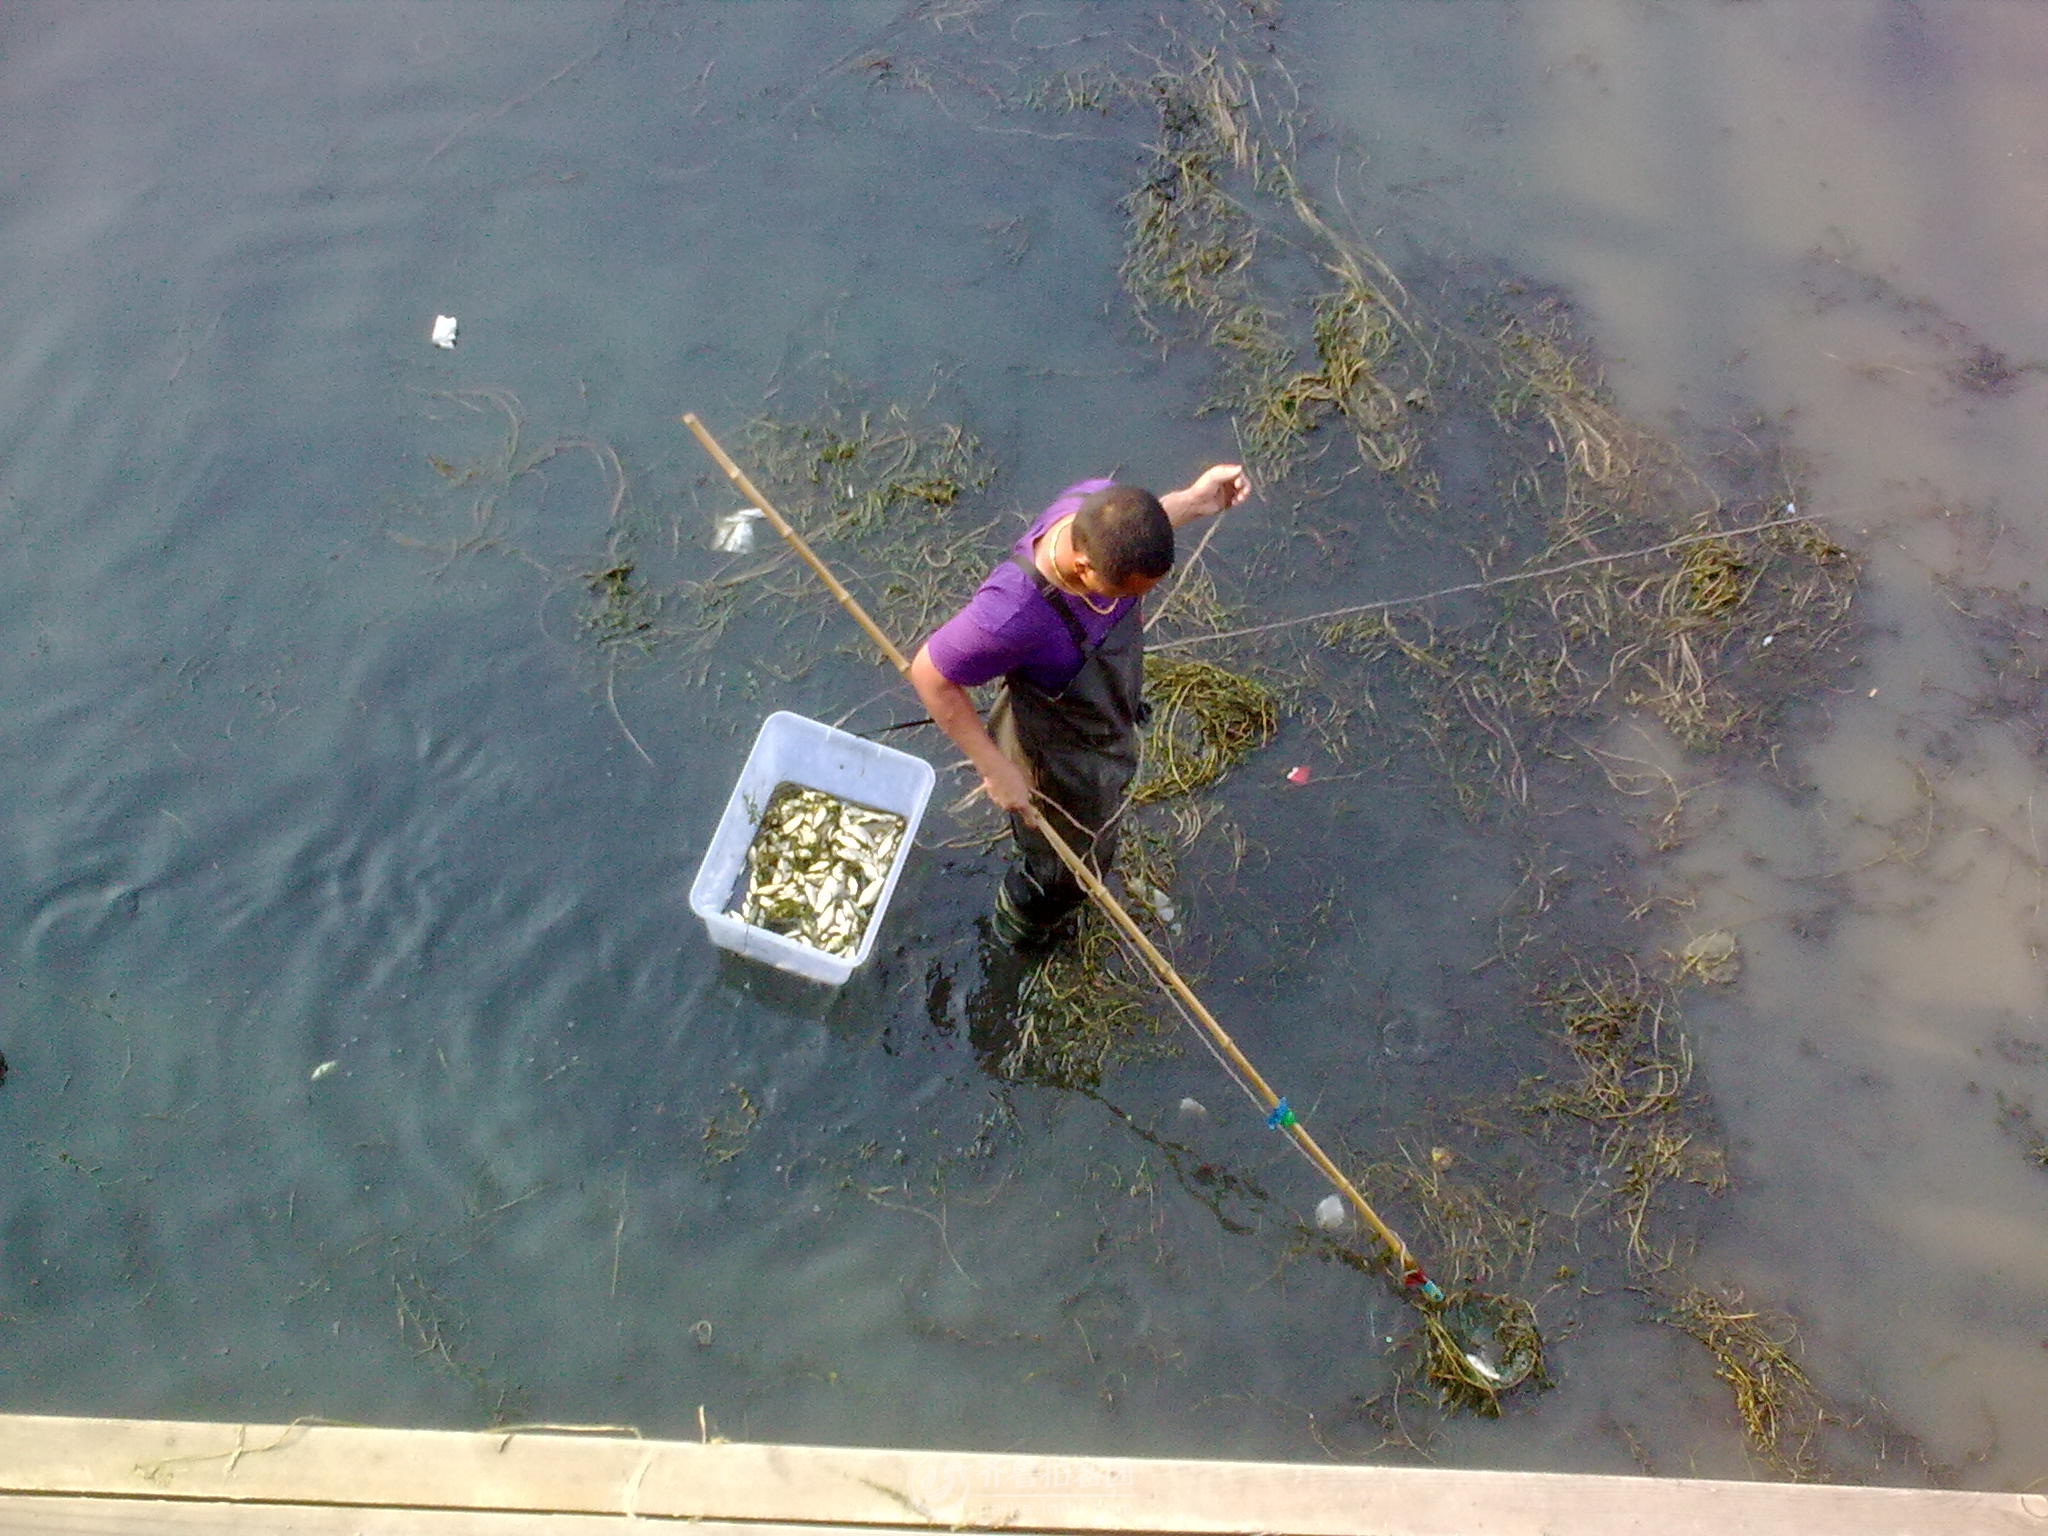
[[1125, 533]]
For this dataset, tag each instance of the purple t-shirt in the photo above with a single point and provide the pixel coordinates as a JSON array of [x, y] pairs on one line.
[[1008, 627]]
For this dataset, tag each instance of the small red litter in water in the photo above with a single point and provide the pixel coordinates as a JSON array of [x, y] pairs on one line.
[[1298, 775]]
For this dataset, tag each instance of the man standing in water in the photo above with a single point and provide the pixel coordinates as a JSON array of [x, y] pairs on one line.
[[1061, 622]]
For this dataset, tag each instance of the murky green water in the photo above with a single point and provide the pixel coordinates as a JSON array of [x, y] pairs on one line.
[[313, 759]]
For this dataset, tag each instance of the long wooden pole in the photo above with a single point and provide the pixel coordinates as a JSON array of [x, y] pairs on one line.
[[1279, 1114], [748, 489]]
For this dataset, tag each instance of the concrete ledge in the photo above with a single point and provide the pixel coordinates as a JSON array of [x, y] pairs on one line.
[[126, 1475]]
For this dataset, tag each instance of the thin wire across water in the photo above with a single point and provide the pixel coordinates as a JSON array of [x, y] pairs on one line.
[[1390, 604]]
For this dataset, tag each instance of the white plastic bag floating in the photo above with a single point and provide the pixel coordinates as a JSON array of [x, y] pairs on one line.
[[443, 334], [735, 531], [1155, 900], [1332, 1214]]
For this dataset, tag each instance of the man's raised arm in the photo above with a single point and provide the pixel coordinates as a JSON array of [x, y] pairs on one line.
[[1216, 489]]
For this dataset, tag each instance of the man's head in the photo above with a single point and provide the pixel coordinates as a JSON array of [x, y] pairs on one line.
[[1122, 541]]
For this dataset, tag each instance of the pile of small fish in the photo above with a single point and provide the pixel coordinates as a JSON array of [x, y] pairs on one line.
[[816, 868]]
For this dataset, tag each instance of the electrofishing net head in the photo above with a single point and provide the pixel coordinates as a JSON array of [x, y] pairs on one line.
[[1479, 1347]]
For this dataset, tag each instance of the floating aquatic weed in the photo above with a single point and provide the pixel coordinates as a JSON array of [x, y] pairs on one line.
[[1480, 1229], [876, 493], [1604, 454], [1087, 1006], [1205, 720], [1568, 643], [1093, 89], [1477, 1345], [726, 1132], [844, 473], [1190, 248], [1780, 1409], [619, 612], [1188, 240], [1356, 334], [1714, 958], [1712, 579], [2016, 1118], [1215, 184], [1630, 1087], [1614, 1025]]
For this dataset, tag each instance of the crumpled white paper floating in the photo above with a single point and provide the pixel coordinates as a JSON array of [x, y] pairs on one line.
[[443, 334], [735, 531]]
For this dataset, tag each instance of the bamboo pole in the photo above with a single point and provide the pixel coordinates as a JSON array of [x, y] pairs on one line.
[[748, 489], [1279, 1114]]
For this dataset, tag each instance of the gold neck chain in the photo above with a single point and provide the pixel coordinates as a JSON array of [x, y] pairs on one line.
[[1067, 527]]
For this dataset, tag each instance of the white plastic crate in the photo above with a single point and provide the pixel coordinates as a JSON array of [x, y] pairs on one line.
[[796, 750]]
